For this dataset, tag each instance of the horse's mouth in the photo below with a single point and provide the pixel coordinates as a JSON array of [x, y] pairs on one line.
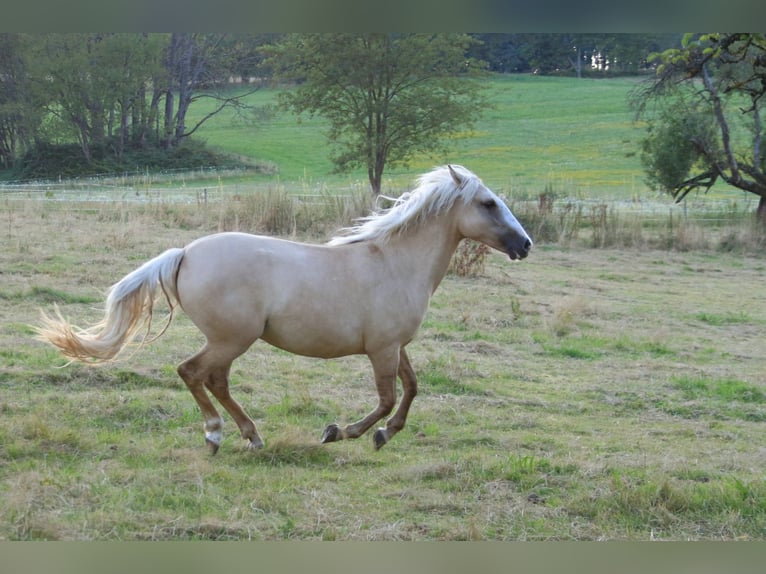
[[520, 253]]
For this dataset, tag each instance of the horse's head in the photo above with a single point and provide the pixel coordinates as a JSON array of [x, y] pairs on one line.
[[486, 218]]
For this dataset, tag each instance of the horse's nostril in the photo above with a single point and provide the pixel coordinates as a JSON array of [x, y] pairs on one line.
[[528, 245]]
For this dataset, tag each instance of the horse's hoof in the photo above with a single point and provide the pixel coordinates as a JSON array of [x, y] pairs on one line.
[[254, 445], [212, 446], [331, 433], [380, 438]]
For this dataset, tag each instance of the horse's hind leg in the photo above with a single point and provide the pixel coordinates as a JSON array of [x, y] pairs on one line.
[[191, 373], [218, 384], [202, 371], [410, 387]]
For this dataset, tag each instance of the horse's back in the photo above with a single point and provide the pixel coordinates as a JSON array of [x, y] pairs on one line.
[[307, 299]]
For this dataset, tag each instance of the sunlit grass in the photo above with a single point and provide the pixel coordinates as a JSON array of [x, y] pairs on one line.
[[587, 394], [533, 134]]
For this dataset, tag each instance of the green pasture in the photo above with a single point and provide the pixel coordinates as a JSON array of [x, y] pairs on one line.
[[572, 136], [582, 394], [608, 387]]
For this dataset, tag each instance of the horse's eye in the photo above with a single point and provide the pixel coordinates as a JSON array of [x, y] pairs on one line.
[[489, 204]]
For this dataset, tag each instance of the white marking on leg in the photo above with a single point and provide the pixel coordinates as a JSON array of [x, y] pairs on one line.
[[214, 431]]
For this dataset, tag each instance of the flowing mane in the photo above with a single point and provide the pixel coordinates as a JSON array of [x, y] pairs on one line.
[[436, 192]]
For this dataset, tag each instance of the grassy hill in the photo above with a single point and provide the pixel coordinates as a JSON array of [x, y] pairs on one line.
[[574, 137]]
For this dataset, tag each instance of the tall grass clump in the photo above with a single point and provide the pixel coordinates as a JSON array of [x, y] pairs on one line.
[[548, 221], [326, 212], [606, 225], [281, 213], [749, 237], [727, 229], [610, 228], [469, 259]]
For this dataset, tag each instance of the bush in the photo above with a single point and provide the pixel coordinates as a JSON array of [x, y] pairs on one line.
[[47, 161], [468, 260]]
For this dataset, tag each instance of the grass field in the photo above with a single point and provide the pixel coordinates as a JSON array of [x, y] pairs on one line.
[[582, 394], [586, 394], [532, 137], [573, 138]]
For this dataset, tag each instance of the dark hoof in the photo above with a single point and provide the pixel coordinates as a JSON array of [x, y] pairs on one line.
[[255, 445], [380, 438], [331, 433], [211, 446]]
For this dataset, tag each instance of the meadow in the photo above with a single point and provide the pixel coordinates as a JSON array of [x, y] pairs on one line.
[[608, 387], [562, 136], [533, 136]]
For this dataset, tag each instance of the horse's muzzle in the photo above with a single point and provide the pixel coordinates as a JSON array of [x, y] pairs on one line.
[[518, 250]]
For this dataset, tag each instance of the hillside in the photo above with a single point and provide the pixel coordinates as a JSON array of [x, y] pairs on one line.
[[567, 135]]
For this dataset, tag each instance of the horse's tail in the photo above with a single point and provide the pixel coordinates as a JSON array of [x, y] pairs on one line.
[[129, 305]]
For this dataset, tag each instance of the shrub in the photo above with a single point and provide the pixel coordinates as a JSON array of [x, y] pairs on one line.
[[469, 259], [48, 161]]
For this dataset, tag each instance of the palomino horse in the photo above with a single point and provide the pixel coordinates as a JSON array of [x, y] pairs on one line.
[[365, 292]]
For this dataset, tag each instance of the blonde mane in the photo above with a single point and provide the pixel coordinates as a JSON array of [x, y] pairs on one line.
[[435, 193]]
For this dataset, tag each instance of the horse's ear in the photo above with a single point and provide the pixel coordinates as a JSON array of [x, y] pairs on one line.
[[455, 176]]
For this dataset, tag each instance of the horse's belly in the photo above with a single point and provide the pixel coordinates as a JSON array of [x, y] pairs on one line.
[[313, 340]]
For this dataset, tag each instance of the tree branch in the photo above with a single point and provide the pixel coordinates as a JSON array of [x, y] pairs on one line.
[[706, 180], [722, 125], [225, 102], [757, 160]]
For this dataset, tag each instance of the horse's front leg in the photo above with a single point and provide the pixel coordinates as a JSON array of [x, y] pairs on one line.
[[385, 365], [410, 387]]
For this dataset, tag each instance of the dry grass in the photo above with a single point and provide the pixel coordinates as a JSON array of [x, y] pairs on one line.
[[581, 394]]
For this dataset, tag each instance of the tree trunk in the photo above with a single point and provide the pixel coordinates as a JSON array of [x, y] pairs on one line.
[[167, 138], [124, 131], [375, 173], [82, 126], [185, 78], [578, 64], [375, 178], [170, 67], [97, 122], [760, 213], [138, 119], [152, 122]]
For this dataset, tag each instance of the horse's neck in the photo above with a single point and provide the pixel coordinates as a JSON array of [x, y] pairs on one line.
[[425, 251]]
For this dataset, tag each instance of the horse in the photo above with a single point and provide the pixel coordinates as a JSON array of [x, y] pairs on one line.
[[365, 292]]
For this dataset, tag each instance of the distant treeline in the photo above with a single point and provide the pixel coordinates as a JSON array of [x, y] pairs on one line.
[[572, 54], [116, 100]]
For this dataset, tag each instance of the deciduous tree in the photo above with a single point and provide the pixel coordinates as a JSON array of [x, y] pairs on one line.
[[706, 124], [386, 96], [19, 117], [126, 89]]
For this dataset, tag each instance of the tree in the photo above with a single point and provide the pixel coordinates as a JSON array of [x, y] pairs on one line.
[[19, 117], [93, 85], [503, 53], [113, 91], [386, 96], [706, 121], [128, 64], [566, 53], [197, 65]]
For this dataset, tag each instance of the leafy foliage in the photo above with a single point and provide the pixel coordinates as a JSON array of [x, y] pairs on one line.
[[111, 93], [386, 96], [721, 81], [46, 160], [675, 143]]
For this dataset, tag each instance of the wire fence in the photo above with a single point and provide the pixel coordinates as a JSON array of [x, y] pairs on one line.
[[208, 186]]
